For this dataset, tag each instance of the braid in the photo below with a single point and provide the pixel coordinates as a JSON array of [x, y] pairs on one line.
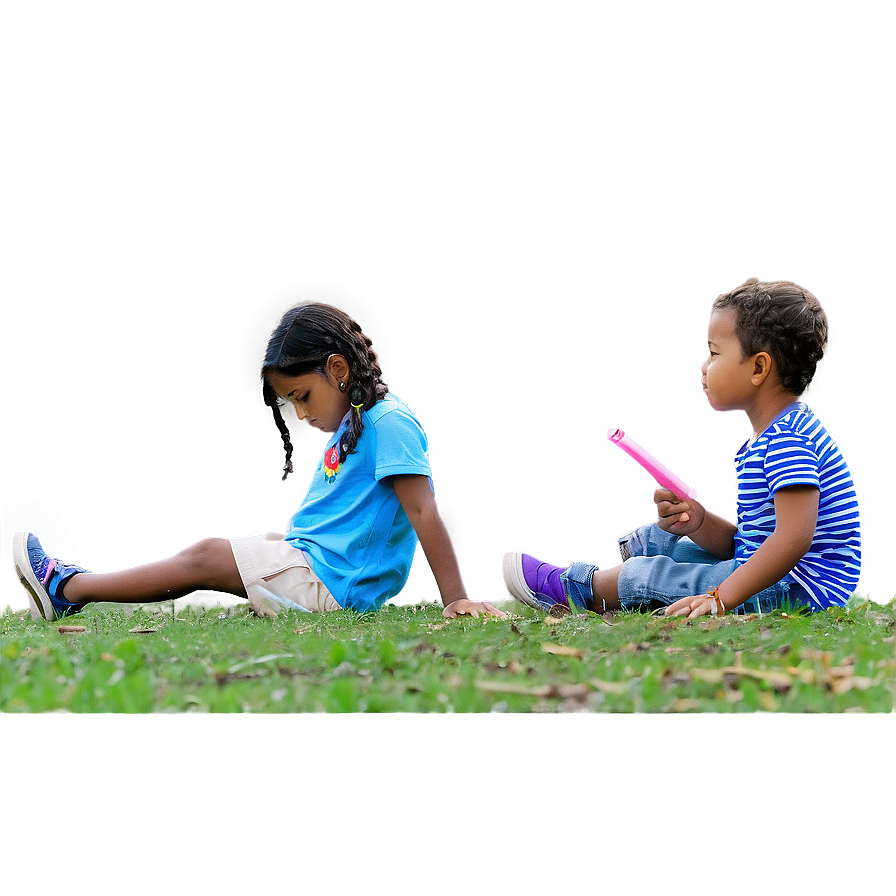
[[367, 386], [270, 399]]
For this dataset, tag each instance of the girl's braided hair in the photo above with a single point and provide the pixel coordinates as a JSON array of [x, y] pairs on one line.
[[784, 320], [301, 343]]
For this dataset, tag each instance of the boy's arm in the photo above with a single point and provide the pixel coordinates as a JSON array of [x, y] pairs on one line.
[[416, 497], [796, 515]]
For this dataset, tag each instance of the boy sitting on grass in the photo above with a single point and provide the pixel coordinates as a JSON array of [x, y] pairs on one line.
[[797, 539]]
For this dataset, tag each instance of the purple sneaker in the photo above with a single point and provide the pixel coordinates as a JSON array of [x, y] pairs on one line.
[[533, 582], [43, 578]]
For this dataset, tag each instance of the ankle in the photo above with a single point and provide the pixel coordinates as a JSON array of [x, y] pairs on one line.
[[604, 590], [70, 589]]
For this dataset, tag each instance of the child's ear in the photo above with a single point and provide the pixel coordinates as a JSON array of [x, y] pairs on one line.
[[762, 367], [338, 368]]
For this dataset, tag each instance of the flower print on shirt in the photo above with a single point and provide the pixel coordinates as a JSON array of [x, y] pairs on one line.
[[331, 463]]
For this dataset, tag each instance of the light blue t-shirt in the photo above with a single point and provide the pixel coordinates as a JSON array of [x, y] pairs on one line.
[[797, 450], [351, 525]]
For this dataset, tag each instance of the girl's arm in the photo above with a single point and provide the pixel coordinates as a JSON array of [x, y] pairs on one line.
[[419, 503], [796, 515]]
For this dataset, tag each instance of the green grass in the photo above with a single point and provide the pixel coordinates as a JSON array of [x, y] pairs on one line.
[[410, 659]]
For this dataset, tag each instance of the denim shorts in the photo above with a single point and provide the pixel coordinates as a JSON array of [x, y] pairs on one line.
[[658, 568]]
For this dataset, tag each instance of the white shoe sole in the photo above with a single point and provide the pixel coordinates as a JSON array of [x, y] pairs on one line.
[[41, 605], [512, 567]]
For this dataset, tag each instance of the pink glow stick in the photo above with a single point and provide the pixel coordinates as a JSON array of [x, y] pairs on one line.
[[663, 475]]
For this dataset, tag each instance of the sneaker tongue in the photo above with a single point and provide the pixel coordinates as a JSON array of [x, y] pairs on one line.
[[50, 567]]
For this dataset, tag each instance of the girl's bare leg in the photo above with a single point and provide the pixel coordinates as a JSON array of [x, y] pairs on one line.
[[208, 565]]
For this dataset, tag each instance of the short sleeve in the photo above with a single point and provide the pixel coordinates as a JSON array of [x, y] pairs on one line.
[[791, 459], [401, 446]]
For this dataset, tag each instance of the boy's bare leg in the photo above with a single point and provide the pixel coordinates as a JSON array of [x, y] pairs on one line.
[[207, 565], [605, 587]]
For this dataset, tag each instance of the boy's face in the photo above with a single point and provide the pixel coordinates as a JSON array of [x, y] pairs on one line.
[[727, 374]]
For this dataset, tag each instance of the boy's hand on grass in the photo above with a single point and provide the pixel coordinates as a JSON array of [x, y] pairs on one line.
[[675, 516], [465, 607], [698, 605]]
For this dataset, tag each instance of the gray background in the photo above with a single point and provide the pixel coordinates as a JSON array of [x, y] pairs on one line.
[[530, 205]]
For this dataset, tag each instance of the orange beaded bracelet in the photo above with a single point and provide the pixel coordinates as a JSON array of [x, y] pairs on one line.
[[718, 608]]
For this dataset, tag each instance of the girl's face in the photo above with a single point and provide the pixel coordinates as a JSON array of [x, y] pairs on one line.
[[315, 396], [727, 374]]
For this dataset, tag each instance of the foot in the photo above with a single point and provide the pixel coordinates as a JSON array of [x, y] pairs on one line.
[[43, 578], [533, 582]]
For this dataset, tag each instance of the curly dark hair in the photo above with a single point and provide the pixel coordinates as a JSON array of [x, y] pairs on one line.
[[784, 320], [301, 343]]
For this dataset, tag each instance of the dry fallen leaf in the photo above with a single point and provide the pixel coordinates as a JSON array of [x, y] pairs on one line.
[[573, 704], [559, 610], [842, 685], [254, 661], [579, 691], [70, 629], [686, 705], [803, 673], [507, 687], [844, 670], [767, 701], [712, 676], [632, 647], [778, 680], [609, 687], [670, 677], [560, 649]]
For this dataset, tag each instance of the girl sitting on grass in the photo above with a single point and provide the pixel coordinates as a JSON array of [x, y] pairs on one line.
[[352, 540]]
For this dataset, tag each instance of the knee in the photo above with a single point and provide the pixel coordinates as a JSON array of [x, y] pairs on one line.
[[206, 556], [646, 541]]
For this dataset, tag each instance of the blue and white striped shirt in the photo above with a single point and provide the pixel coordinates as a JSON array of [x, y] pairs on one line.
[[797, 450]]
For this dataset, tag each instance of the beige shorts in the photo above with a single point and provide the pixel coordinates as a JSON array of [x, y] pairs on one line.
[[275, 574]]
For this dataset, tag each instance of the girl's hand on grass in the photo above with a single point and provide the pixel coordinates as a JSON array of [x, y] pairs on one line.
[[698, 605], [465, 607]]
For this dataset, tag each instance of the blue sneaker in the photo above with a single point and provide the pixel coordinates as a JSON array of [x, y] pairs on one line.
[[535, 583], [43, 578]]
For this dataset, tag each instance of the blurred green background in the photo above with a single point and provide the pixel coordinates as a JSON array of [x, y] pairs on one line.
[[530, 206]]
